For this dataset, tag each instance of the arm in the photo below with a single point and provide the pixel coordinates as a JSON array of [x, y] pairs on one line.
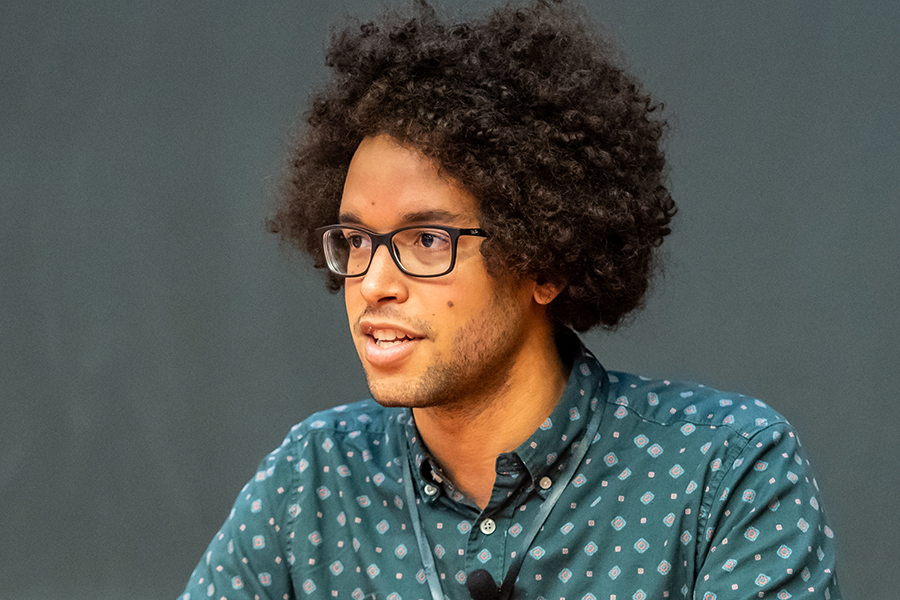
[[250, 556], [766, 533]]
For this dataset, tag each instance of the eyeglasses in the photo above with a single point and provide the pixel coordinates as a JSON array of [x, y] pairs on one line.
[[420, 251]]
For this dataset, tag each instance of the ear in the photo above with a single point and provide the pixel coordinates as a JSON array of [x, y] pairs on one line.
[[545, 293]]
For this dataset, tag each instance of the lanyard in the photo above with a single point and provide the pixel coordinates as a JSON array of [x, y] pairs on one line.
[[506, 589]]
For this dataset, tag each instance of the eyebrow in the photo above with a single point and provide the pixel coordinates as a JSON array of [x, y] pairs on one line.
[[410, 218]]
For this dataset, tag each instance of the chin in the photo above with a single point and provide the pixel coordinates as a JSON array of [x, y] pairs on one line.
[[393, 392], [389, 391]]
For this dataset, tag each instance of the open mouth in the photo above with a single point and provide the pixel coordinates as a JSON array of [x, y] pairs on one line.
[[385, 338]]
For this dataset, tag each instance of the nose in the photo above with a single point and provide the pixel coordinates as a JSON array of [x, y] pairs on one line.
[[384, 281]]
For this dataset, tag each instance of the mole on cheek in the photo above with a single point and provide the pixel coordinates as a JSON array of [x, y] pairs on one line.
[[449, 303]]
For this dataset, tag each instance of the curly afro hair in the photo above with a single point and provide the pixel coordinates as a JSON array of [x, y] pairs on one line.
[[527, 109]]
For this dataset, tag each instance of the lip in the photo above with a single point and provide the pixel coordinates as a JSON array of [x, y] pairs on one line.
[[387, 356]]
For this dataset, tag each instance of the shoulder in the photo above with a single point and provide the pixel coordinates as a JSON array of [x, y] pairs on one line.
[[365, 417], [669, 403], [363, 427], [325, 442]]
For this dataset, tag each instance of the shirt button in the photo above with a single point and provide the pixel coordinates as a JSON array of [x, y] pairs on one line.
[[430, 489], [545, 483], [488, 526]]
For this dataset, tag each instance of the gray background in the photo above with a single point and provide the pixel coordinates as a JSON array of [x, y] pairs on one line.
[[155, 343]]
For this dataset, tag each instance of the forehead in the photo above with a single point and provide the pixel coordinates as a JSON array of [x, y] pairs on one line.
[[389, 185]]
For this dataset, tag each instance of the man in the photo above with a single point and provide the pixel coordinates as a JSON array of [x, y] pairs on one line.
[[480, 191]]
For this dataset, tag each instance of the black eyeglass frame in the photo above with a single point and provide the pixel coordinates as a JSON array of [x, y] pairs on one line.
[[385, 239]]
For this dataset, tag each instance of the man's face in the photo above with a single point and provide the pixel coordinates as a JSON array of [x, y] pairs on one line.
[[427, 342]]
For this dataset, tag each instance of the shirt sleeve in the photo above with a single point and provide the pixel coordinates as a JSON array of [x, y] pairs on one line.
[[250, 557], [766, 533]]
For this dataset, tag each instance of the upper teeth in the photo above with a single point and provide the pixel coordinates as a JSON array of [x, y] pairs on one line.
[[388, 335]]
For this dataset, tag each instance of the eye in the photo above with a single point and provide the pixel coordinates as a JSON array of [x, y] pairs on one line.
[[433, 239], [354, 239]]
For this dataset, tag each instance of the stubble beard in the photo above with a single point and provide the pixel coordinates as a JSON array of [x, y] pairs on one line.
[[483, 354]]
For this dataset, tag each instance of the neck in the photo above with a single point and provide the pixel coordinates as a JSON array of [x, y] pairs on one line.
[[465, 439]]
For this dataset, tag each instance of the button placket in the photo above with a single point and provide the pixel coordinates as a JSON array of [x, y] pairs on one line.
[[486, 547]]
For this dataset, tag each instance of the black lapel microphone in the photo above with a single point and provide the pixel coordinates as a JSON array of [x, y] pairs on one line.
[[482, 586]]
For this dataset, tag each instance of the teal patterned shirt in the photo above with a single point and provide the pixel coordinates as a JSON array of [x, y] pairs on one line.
[[685, 492]]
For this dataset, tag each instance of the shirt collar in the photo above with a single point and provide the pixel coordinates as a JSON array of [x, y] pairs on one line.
[[545, 453], [424, 468]]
